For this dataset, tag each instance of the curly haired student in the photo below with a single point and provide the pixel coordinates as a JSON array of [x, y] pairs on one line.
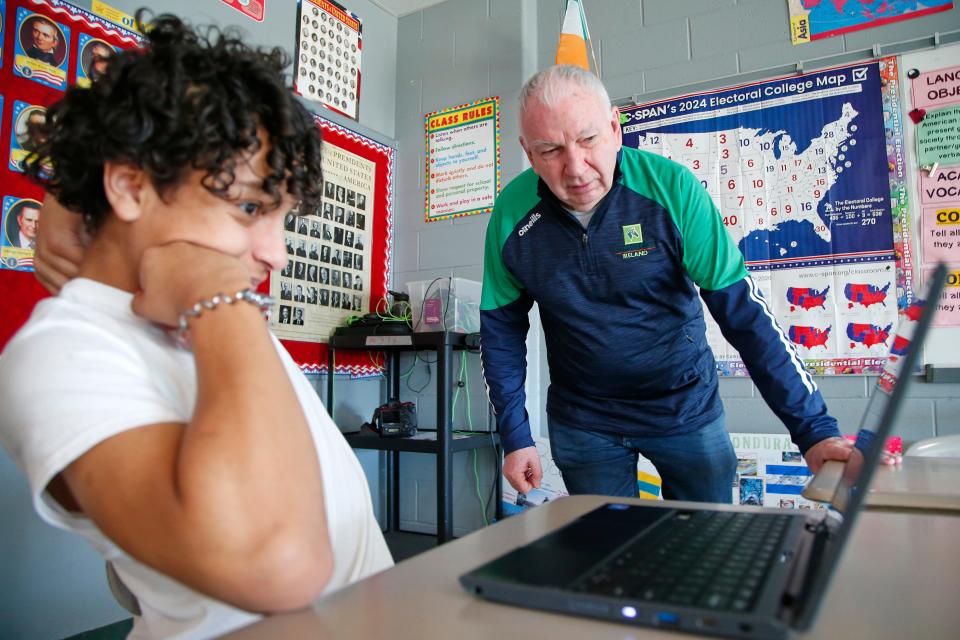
[[148, 404]]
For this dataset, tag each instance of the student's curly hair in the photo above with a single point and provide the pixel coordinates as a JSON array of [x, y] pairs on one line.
[[189, 100]]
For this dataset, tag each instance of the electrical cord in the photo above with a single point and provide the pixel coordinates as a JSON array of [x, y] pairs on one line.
[[496, 471], [463, 380], [496, 458], [409, 373]]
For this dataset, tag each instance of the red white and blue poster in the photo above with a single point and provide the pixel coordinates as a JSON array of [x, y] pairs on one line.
[[807, 172], [47, 45], [816, 19], [41, 48]]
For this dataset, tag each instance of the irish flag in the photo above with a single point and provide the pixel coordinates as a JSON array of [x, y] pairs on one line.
[[574, 37]]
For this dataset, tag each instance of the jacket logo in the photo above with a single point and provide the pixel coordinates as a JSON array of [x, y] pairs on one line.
[[533, 220], [632, 234]]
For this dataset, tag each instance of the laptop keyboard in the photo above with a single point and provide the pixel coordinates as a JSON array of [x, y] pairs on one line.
[[710, 559]]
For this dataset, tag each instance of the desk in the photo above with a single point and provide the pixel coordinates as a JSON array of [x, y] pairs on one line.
[[895, 580], [918, 483]]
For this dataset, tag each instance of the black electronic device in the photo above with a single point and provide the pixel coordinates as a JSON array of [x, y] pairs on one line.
[[397, 309], [394, 419], [395, 321]]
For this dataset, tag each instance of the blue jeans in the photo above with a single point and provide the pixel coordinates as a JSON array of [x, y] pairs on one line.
[[698, 466]]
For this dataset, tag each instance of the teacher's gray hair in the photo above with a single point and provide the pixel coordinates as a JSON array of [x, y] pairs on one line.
[[553, 83]]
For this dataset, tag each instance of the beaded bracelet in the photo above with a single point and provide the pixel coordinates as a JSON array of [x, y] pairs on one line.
[[259, 300]]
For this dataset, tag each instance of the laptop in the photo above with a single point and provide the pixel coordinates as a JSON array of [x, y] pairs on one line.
[[710, 569]]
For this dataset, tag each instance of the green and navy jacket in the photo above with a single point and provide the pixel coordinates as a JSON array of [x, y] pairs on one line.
[[625, 334]]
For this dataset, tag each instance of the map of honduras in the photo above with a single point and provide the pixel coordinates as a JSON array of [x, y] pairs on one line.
[[761, 181]]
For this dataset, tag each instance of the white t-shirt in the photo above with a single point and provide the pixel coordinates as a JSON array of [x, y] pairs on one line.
[[85, 368]]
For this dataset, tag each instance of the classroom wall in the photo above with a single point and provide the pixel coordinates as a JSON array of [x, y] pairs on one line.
[[463, 50], [449, 54], [452, 53]]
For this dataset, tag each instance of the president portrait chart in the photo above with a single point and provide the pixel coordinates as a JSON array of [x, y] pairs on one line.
[[25, 115], [328, 275], [93, 58], [18, 233], [41, 49], [808, 175], [46, 46], [327, 63]]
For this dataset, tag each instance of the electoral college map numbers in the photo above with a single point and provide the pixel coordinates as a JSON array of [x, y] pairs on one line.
[[807, 174]]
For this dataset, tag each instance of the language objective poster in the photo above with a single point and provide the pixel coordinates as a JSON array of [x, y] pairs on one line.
[[934, 129]]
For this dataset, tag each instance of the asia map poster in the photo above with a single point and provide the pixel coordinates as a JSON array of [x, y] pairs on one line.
[[807, 172], [816, 19]]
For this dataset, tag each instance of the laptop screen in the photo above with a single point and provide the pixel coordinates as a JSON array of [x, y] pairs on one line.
[[876, 425], [878, 419]]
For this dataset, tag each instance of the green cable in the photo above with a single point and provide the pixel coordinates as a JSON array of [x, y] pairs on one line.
[[407, 373], [465, 372], [464, 378], [476, 478]]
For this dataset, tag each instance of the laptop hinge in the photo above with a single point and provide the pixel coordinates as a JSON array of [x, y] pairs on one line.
[[809, 551]]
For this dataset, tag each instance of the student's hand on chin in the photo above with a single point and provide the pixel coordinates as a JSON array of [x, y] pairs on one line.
[[175, 276]]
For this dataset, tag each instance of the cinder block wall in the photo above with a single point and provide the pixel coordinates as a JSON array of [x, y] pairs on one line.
[[464, 50], [453, 53]]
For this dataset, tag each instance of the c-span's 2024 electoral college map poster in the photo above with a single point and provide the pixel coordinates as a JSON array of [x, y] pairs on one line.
[[807, 172]]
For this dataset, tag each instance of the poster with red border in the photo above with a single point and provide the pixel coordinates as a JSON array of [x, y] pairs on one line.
[[25, 94], [253, 9], [344, 146]]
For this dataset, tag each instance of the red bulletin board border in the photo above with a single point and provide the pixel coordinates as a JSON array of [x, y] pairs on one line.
[[312, 356], [19, 290]]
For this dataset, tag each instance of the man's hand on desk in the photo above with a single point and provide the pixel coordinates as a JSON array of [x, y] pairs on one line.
[[828, 449], [522, 469], [840, 449]]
